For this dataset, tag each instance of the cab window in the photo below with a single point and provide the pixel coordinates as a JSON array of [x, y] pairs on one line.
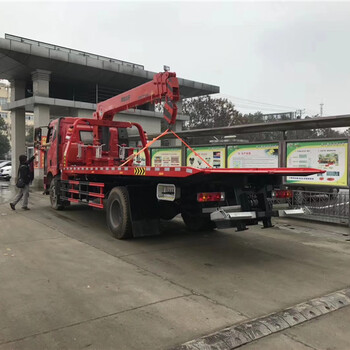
[[49, 135], [54, 134], [87, 137]]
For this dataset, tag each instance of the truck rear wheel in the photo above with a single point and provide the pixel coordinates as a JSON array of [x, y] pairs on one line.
[[118, 213], [54, 191], [197, 223]]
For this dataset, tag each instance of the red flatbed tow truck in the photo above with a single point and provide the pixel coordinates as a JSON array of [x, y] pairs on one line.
[[90, 161]]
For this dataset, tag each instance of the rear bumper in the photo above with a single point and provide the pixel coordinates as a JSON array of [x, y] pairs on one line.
[[222, 215], [291, 212]]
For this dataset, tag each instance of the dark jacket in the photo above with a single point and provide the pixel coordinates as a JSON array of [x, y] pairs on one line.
[[24, 171]]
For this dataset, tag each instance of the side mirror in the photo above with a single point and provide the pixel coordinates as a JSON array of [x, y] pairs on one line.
[[37, 135]]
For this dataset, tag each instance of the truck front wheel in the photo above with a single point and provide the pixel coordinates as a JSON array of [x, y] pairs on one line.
[[118, 214], [55, 201]]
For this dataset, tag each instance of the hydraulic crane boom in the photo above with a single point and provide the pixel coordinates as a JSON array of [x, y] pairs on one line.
[[163, 86]]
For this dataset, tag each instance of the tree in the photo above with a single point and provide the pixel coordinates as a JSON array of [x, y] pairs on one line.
[[3, 125], [4, 142], [329, 133], [253, 118], [208, 112], [4, 146]]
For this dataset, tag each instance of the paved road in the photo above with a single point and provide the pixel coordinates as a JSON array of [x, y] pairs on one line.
[[67, 284]]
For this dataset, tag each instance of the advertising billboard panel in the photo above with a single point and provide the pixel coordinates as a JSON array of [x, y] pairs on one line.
[[215, 156], [166, 156], [331, 156], [253, 156], [139, 160]]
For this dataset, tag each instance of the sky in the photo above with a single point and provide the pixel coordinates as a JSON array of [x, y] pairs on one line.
[[267, 56]]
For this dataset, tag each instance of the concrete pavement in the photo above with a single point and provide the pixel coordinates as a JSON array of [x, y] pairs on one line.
[[67, 284]]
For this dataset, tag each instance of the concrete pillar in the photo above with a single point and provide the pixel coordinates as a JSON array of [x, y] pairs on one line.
[[18, 139], [41, 81], [18, 129], [41, 87], [179, 106]]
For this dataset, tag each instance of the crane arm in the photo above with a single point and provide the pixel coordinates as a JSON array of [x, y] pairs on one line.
[[163, 86]]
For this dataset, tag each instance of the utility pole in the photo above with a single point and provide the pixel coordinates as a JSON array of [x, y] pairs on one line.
[[321, 109]]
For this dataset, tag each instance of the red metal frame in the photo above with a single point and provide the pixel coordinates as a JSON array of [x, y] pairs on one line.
[[72, 190], [95, 123], [179, 172]]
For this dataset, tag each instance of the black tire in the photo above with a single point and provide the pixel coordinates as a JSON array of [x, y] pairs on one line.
[[54, 191], [118, 213], [197, 223]]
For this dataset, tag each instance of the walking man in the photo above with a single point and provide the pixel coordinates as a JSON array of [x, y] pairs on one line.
[[23, 179]]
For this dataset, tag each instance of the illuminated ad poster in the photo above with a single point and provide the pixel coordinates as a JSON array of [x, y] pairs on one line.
[[253, 156], [331, 156], [215, 156], [166, 157]]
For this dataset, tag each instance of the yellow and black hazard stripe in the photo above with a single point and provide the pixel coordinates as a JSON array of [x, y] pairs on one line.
[[139, 171]]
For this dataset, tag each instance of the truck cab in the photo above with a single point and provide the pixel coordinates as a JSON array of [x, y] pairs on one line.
[[84, 144]]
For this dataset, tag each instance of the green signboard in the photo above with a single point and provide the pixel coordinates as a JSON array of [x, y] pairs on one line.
[[166, 156], [139, 160], [330, 156], [253, 156], [214, 156]]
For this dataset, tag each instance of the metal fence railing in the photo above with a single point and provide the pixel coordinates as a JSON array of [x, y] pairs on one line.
[[321, 206]]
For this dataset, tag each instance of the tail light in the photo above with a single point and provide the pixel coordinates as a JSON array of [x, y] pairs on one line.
[[210, 197], [282, 194]]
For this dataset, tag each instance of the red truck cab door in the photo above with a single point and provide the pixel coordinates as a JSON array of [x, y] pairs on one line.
[[52, 150]]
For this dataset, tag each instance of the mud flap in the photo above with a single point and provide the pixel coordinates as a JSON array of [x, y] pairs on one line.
[[144, 211]]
